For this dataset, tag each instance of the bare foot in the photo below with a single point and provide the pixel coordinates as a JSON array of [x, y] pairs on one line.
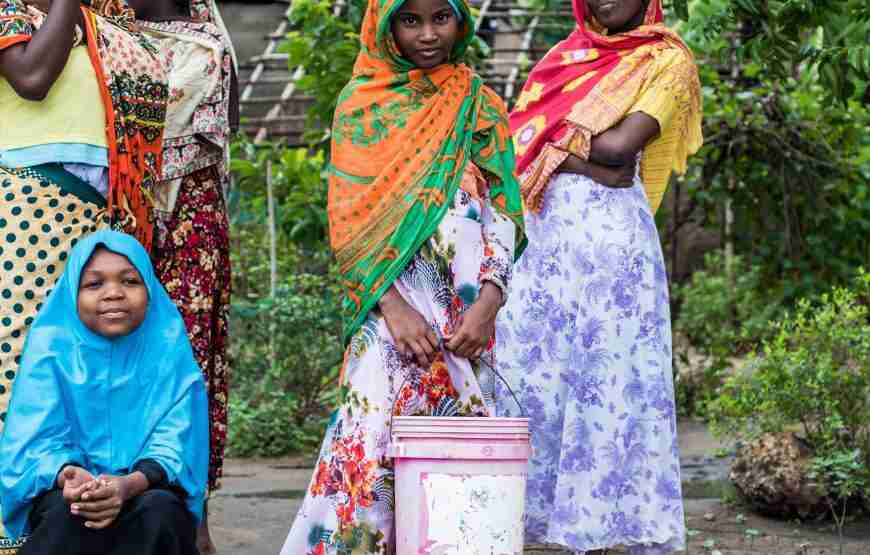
[[203, 537]]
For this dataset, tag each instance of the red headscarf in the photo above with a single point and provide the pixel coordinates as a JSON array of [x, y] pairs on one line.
[[585, 85]]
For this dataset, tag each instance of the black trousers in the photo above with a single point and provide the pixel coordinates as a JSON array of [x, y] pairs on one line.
[[155, 523]]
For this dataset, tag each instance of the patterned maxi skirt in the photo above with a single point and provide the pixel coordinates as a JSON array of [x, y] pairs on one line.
[[349, 504], [44, 211], [192, 260], [586, 337]]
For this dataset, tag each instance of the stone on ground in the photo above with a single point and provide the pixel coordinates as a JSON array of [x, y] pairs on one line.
[[772, 474]]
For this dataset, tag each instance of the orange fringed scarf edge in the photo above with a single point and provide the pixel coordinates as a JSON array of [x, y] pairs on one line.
[[127, 197]]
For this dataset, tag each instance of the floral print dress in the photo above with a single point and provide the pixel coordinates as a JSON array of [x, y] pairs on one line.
[[349, 504], [192, 246], [586, 338]]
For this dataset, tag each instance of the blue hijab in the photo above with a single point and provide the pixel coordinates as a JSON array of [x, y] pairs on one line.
[[103, 404]]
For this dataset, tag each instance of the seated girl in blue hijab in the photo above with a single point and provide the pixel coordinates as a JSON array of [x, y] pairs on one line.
[[105, 448]]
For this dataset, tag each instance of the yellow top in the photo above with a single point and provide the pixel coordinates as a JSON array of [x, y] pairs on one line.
[[72, 112], [669, 99]]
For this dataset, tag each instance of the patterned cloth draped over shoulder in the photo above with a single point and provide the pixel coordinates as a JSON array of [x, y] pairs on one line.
[[589, 82], [134, 92], [198, 58], [402, 138]]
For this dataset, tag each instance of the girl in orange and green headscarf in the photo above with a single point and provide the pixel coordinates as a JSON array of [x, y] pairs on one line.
[[425, 221]]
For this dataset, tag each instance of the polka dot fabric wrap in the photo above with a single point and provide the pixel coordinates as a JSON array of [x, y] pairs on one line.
[[39, 224]]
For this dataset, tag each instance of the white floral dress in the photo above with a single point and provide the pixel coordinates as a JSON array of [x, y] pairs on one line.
[[349, 504]]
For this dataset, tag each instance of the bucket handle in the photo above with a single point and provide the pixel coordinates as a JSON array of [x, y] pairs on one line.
[[489, 365], [523, 412]]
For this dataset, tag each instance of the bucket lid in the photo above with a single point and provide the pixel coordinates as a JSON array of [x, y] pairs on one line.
[[460, 426]]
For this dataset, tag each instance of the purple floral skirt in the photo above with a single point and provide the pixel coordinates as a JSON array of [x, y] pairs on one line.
[[585, 338]]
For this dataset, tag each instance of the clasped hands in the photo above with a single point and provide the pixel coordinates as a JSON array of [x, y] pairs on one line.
[[97, 500], [414, 337]]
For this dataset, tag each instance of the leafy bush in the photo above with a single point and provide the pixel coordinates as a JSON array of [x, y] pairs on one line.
[[813, 373], [786, 152], [325, 45], [287, 347], [722, 313], [827, 38], [287, 354], [844, 479], [298, 184]]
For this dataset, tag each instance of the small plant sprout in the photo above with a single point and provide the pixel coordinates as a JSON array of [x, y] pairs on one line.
[[841, 476]]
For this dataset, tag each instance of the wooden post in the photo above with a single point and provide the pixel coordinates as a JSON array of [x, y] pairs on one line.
[[729, 238], [273, 239], [273, 255], [675, 221], [732, 186]]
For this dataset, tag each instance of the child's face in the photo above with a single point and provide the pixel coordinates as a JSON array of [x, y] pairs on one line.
[[112, 299], [425, 31]]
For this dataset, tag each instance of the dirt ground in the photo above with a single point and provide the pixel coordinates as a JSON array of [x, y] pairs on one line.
[[253, 512]]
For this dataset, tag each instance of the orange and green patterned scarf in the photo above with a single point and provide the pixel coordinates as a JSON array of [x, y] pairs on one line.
[[402, 138]]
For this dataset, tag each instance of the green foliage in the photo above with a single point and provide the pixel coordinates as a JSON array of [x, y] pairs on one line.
[[287, 355], [726, 311], [723, 312], [841, 474], [824, 36], [843, 477], [792, 164], [325, 45], [286, 349], [813, 372], [300, 187]]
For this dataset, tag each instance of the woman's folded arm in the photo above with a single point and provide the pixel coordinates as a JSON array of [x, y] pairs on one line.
[[621, 144]]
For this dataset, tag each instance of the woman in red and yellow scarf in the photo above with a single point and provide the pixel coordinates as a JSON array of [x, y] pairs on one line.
[[602, 121], [83, 102], [606, 94], [425, 216]]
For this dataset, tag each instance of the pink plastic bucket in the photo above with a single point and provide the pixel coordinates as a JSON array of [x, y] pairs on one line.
[[460, 484]]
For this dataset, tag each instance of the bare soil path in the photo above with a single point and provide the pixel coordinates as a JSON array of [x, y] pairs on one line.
[[252, 513]]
